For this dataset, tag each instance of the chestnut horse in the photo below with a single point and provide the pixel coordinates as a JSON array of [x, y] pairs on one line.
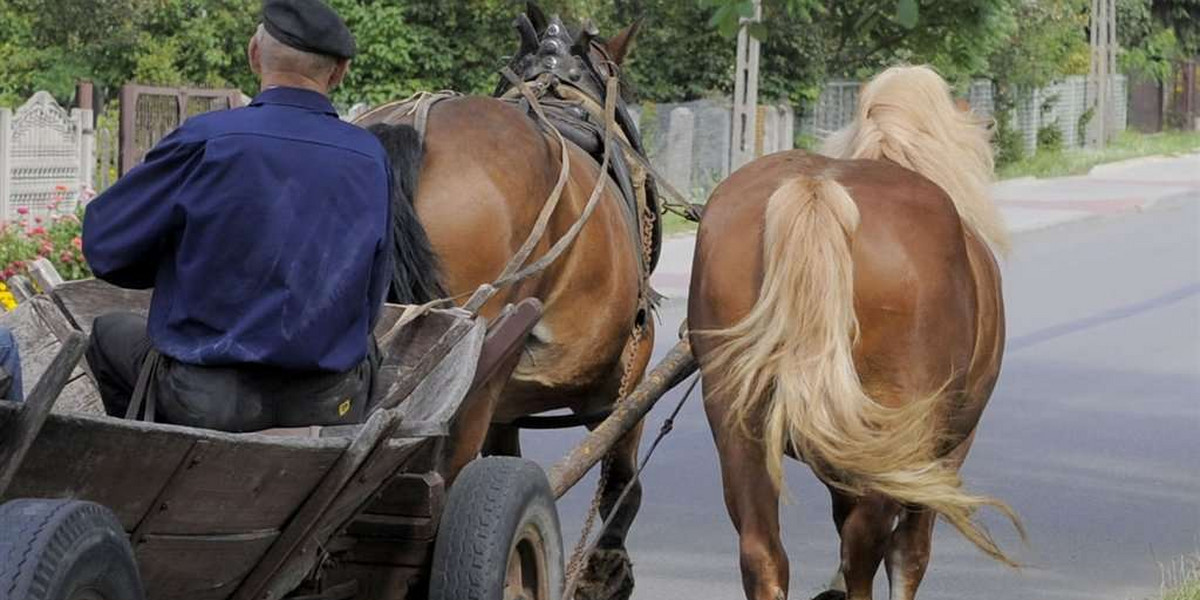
[[847, 311], [485, 169]]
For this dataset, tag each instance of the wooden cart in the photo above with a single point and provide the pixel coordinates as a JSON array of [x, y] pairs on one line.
[[97, 508], [102, 508]]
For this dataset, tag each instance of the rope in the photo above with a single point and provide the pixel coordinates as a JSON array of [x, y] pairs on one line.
[[667, 427]]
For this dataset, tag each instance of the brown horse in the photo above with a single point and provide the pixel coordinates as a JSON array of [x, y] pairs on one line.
[[847, 311], [486, 171]]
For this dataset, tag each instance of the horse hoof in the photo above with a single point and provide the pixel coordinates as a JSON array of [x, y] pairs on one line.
[[609, 576], [830, 595]]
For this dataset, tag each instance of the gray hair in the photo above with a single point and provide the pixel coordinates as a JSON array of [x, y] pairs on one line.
[[279, 57]]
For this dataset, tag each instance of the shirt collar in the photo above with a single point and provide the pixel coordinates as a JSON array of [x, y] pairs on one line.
[[297, 97]]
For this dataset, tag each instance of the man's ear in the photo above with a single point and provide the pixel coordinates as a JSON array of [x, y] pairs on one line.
[[254, 55], [339, 73]]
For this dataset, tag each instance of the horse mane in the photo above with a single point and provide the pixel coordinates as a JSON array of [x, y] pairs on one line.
[[415, 272], [906, 115]]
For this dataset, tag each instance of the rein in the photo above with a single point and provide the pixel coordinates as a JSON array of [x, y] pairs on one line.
[[516, 270]]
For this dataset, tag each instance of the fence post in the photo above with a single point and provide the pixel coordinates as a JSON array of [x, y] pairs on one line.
[[85, 121], [681, 133], [5, 160]]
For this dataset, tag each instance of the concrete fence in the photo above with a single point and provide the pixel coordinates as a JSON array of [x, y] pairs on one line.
[[1061, 104], [47, 155], [691, 143]]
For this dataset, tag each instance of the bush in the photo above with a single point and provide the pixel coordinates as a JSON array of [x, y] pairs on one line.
[[1050, 138], [1010, 147]]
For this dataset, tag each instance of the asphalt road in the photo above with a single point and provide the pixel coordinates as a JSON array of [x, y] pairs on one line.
[[1093, 435]]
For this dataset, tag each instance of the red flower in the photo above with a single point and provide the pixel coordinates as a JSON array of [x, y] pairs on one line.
[[39, 230], [23, 210], [66, 257], [61, 188], [9, 272], [77, 242]]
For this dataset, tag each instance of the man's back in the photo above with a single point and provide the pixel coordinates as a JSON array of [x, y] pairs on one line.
[[264, 231]]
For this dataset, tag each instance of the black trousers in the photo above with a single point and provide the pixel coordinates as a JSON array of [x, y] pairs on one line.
[[228, 398]]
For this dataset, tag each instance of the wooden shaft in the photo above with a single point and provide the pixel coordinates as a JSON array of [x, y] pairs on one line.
[[674, 368]]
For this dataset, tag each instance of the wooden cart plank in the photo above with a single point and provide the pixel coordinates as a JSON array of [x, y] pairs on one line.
[[387, 459], [17, 436], [300, 531], [232, 488], [84, 300], [411, 495], [198, 567], [124, 465]]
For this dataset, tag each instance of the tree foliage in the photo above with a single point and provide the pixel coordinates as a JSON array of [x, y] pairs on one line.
[[683, 49]]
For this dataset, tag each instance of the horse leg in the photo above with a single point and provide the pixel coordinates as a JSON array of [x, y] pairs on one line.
[[865, 526], [609, 573], [752, 502], [502, 440], [909, 552]]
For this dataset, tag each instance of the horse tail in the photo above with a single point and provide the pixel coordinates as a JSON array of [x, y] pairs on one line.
[[906, 115], [789, 367], [415, 272]]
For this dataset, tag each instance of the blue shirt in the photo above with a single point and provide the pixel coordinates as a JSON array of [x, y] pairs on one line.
[[264, 231]]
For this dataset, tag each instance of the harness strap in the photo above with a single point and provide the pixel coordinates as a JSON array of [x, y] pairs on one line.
[[511, 273], [142, 392]]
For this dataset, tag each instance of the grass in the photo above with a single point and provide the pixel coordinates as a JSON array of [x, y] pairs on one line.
[[1181, 579], [1127, 145], [674, 224]]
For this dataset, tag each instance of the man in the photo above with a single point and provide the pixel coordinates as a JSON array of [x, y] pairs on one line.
[[10, 368], [264, 233]]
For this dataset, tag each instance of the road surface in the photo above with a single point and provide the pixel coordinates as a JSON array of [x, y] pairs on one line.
[[1093, 434]]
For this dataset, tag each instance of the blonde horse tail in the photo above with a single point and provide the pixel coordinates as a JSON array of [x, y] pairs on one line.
[[906, 115], [788, 368]]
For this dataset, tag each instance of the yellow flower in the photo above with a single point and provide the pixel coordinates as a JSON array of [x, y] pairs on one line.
[[6, 298]]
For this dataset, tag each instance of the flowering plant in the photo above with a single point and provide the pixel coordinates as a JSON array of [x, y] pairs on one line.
[[55, 237]]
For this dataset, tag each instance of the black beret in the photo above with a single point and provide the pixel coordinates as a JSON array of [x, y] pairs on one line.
[[308, 25]]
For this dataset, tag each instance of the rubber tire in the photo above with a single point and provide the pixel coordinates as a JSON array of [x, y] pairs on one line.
[[492, 499], [62, 549]]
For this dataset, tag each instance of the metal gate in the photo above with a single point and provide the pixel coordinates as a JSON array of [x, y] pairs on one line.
[[148, 114]]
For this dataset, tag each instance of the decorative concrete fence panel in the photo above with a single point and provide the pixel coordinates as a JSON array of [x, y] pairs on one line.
[[46, 156]]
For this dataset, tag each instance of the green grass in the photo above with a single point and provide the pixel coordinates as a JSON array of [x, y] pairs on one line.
[[1127, 145], [1181, 579], [675, 224]]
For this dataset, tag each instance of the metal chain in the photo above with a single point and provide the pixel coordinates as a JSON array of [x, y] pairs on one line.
[[667, 427], [581, 554]]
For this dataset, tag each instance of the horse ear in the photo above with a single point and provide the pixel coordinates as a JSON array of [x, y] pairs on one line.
[[536, 16], [619, 46], [529, 39]]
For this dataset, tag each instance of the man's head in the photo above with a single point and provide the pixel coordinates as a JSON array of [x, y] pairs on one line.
[[301, 43]]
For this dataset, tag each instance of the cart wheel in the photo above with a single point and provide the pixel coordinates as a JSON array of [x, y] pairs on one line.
[[499, 537], [64, 550]]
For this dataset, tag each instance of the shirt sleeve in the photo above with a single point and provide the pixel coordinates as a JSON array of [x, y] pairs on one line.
[[128, 228]]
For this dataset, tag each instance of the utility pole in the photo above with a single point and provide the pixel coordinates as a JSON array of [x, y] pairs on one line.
[[1103, 40], [745, 94]]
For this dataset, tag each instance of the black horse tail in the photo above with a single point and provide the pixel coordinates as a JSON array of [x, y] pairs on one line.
[[415, 274]]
